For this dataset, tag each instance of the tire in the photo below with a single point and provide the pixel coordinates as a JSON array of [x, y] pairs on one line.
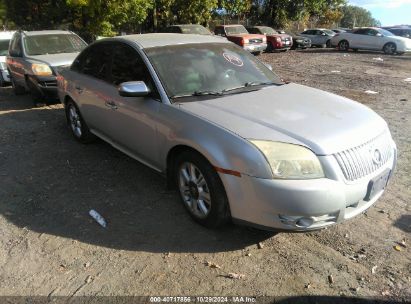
[[35, 94], [18, 89], [257, 53], [270, 48], [2, 82], [343, 45], [201, 190], [76, 123], [389, 48], [328, 44]]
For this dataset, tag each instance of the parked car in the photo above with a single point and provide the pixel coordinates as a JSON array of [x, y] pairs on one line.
[[4, 50], [254, 43], [400, 31], [236, 141], [188, 29], [371, 38], [319, 37], [338, 30], [36, 57], [300, 42], [275, 40]]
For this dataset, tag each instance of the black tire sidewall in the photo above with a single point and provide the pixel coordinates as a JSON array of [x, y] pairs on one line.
[[390, 43], [86, 135], [346, 43], [219, 213]]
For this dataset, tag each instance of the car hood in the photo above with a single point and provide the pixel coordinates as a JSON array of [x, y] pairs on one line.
[[55, 60], [248, 36], [324, 122]]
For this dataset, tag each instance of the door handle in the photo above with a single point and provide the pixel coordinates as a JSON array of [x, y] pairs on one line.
[[111, 104], [79, 89]]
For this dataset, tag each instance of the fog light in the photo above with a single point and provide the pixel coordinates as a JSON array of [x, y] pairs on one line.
[[305, 222]]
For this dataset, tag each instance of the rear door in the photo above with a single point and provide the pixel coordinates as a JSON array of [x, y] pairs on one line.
[[357, 38], [90, 86]]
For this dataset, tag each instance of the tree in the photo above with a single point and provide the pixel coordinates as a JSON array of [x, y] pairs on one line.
[[235, 8], [354, 16], [194, 11]]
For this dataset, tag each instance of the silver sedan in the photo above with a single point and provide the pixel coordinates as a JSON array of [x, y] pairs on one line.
[[237, 142]]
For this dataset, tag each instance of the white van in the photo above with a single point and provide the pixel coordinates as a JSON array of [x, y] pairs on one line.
[[4, 50]]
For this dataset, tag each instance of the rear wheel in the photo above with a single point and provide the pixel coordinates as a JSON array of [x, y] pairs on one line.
[[343, 45], [390, 48], [201, 190], [77, 125], [270, 47]]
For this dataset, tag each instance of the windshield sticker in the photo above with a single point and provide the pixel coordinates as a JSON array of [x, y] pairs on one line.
[[233, 59]]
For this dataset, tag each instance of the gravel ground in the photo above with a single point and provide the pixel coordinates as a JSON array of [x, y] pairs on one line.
[[49, 182]]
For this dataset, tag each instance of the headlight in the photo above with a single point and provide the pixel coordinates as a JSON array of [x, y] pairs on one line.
[[290, 161], [41, 69]]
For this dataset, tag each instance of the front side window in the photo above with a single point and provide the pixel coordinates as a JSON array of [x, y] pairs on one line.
[[94, 61], [53, 44], [128, 66], [4, 47], [209, 67], [234, 30]]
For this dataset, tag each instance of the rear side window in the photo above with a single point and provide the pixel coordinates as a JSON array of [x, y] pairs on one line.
[[94, 61]]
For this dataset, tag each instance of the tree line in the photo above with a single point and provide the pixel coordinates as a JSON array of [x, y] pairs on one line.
[[110, 17]]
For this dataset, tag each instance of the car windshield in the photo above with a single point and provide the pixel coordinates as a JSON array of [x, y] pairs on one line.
[[329, 32], [208, 69], [53, 44], [4, 47], [385, 32], [268, 31], [232, 30], [195, 29]]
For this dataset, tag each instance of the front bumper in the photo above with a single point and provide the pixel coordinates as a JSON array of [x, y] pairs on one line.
[[300, 205], [255, 48], [302, 44], [44, 85]]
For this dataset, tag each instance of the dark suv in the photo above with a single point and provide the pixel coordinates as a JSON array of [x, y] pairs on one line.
[[36, 57]]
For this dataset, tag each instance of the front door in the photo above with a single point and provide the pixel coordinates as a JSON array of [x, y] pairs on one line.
[[133, 120]]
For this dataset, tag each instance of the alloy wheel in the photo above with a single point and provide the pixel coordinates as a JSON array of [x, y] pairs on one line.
[[75, 121], [194, 190]]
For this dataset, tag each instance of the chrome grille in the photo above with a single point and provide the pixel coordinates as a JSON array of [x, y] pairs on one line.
[[365, 159]]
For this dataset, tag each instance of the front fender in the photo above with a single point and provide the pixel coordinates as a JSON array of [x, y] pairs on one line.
[[221, 147]]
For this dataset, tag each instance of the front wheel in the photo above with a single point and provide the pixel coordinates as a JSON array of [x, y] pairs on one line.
[[328, 44], [201, 190], [18, 89], [77, 125], [343, 45], [390, 48]]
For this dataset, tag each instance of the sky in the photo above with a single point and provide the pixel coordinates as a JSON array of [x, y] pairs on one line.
[[389, 12]]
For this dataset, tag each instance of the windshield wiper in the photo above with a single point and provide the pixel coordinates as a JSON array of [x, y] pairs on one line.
[[250, 84], [198, 93]]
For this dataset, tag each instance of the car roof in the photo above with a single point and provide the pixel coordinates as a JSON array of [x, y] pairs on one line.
[[186, 25], [163, 39], [48, 32], [230, 25], [6, 35]]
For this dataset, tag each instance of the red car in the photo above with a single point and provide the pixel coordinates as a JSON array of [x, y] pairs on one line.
[[237, 33], [275, 40]]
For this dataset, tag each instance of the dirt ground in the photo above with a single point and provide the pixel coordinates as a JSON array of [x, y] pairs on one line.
[[51, 247]]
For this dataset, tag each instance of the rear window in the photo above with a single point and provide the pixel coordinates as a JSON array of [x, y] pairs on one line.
[[4, 47], [53, 44], [199, 30]]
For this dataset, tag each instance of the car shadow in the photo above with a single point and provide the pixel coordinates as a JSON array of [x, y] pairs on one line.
[[404, 223], [10, 102], [50, 182]]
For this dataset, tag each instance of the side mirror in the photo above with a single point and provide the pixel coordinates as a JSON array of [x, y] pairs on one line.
[[133, 89], [269, 66], [323, 34], [378, 35]]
